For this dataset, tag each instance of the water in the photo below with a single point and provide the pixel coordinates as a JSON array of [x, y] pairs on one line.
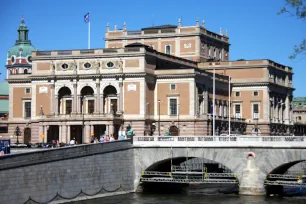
[[141, 198]]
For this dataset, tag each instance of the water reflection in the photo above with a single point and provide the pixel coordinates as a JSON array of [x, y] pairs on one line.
[[192, 199]]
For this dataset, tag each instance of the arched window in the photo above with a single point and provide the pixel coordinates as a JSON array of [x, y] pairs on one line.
[[220, 54], [25, 71], [168, 49], [209, 52], [215, 52]]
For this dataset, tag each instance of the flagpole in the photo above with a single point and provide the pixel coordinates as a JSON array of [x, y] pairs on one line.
[[229, 106], [89, 34], [214, 108]]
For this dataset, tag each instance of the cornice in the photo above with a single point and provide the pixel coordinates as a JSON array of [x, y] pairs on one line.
[[148, 36], [89, 56]]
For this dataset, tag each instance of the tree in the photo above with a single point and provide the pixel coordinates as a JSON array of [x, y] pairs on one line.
[[296, 8]]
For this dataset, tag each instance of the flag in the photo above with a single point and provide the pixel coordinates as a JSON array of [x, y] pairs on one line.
[[86, 18]]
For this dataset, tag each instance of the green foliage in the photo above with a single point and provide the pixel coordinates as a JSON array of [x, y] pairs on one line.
[[296, 8]]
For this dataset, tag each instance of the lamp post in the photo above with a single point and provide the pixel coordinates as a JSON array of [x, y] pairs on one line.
[[17, 133], [178, 119], [148, 109], [158, 117]]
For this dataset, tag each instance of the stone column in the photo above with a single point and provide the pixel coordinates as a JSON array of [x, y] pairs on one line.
[[121, 97], [86, 134], [46, 133], [75, 99], [287, 110], [97, 106], [78, 104], [68, 134], [102, 104], [205, 102], [52, 99], [92, 129], [60, 133], [56, 108], [64, 133]]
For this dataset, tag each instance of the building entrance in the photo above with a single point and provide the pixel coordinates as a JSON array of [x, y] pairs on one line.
[[53, 133], [76, 133], [99, 131], [27, 136]]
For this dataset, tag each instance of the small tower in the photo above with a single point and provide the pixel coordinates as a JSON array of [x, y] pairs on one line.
[[19, 57], [107, 27], [221, 31], [179, 23]]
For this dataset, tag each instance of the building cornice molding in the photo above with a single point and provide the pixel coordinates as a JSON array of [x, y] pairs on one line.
[[148, 36]]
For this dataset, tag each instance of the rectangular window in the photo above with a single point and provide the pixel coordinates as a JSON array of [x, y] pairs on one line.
[[220, 110], [27, 90], [172, 86], [237, 110], [173, 106], [27, 109], [224, 111], [255, 111], [255, 93], [91, 106], [113, 106], [68, 106], [237, 93], [168, 49]]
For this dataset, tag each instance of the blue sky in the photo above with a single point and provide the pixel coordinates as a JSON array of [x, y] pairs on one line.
[[255, 29]]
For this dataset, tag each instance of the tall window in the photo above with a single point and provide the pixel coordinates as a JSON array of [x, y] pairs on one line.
[[237, 110], [173, 106], [168, 49], [27, 109], [113, 106], [255, 111], [224, 111], [68, 106], [220, 110], [91, 106]]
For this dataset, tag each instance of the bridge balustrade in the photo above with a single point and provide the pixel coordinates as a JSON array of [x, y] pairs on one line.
[[221, 141]]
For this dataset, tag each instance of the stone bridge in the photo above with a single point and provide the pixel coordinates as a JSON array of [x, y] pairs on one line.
[[274, 155]]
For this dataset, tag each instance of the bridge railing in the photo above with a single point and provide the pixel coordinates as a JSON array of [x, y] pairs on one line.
[[221, 141]]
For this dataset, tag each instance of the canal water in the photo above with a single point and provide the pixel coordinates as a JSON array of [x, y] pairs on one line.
[[142, 198]]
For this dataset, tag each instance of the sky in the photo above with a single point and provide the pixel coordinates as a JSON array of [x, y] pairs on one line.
[[255, 29]]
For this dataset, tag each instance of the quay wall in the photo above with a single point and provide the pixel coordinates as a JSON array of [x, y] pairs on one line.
[[66, 174]]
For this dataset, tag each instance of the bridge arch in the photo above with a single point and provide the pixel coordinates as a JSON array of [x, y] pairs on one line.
[[268, 160]]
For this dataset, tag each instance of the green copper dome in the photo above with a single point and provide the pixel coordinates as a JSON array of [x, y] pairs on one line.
[[22, 44]]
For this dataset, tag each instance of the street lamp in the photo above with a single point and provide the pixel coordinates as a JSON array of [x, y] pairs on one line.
[[148, 110], [158, 117], [178, 119], [17, 133]]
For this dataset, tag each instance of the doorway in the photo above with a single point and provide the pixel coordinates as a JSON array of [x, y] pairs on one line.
[[173, 131], [27, 136], [99, 130], [53, 133], [76, 132]]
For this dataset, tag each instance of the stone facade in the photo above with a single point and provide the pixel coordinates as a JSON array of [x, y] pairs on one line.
[[190, 42], [79, 93], [299, 115]]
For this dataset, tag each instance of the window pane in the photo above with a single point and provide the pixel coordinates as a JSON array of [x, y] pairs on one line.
[[237, 108], [168, 49], [91, 106], [255, 108], [173, 106], [68, 106], [114, 106], [27, 109]]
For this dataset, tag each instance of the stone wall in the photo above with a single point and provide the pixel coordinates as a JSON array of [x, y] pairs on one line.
[[64, 174]]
